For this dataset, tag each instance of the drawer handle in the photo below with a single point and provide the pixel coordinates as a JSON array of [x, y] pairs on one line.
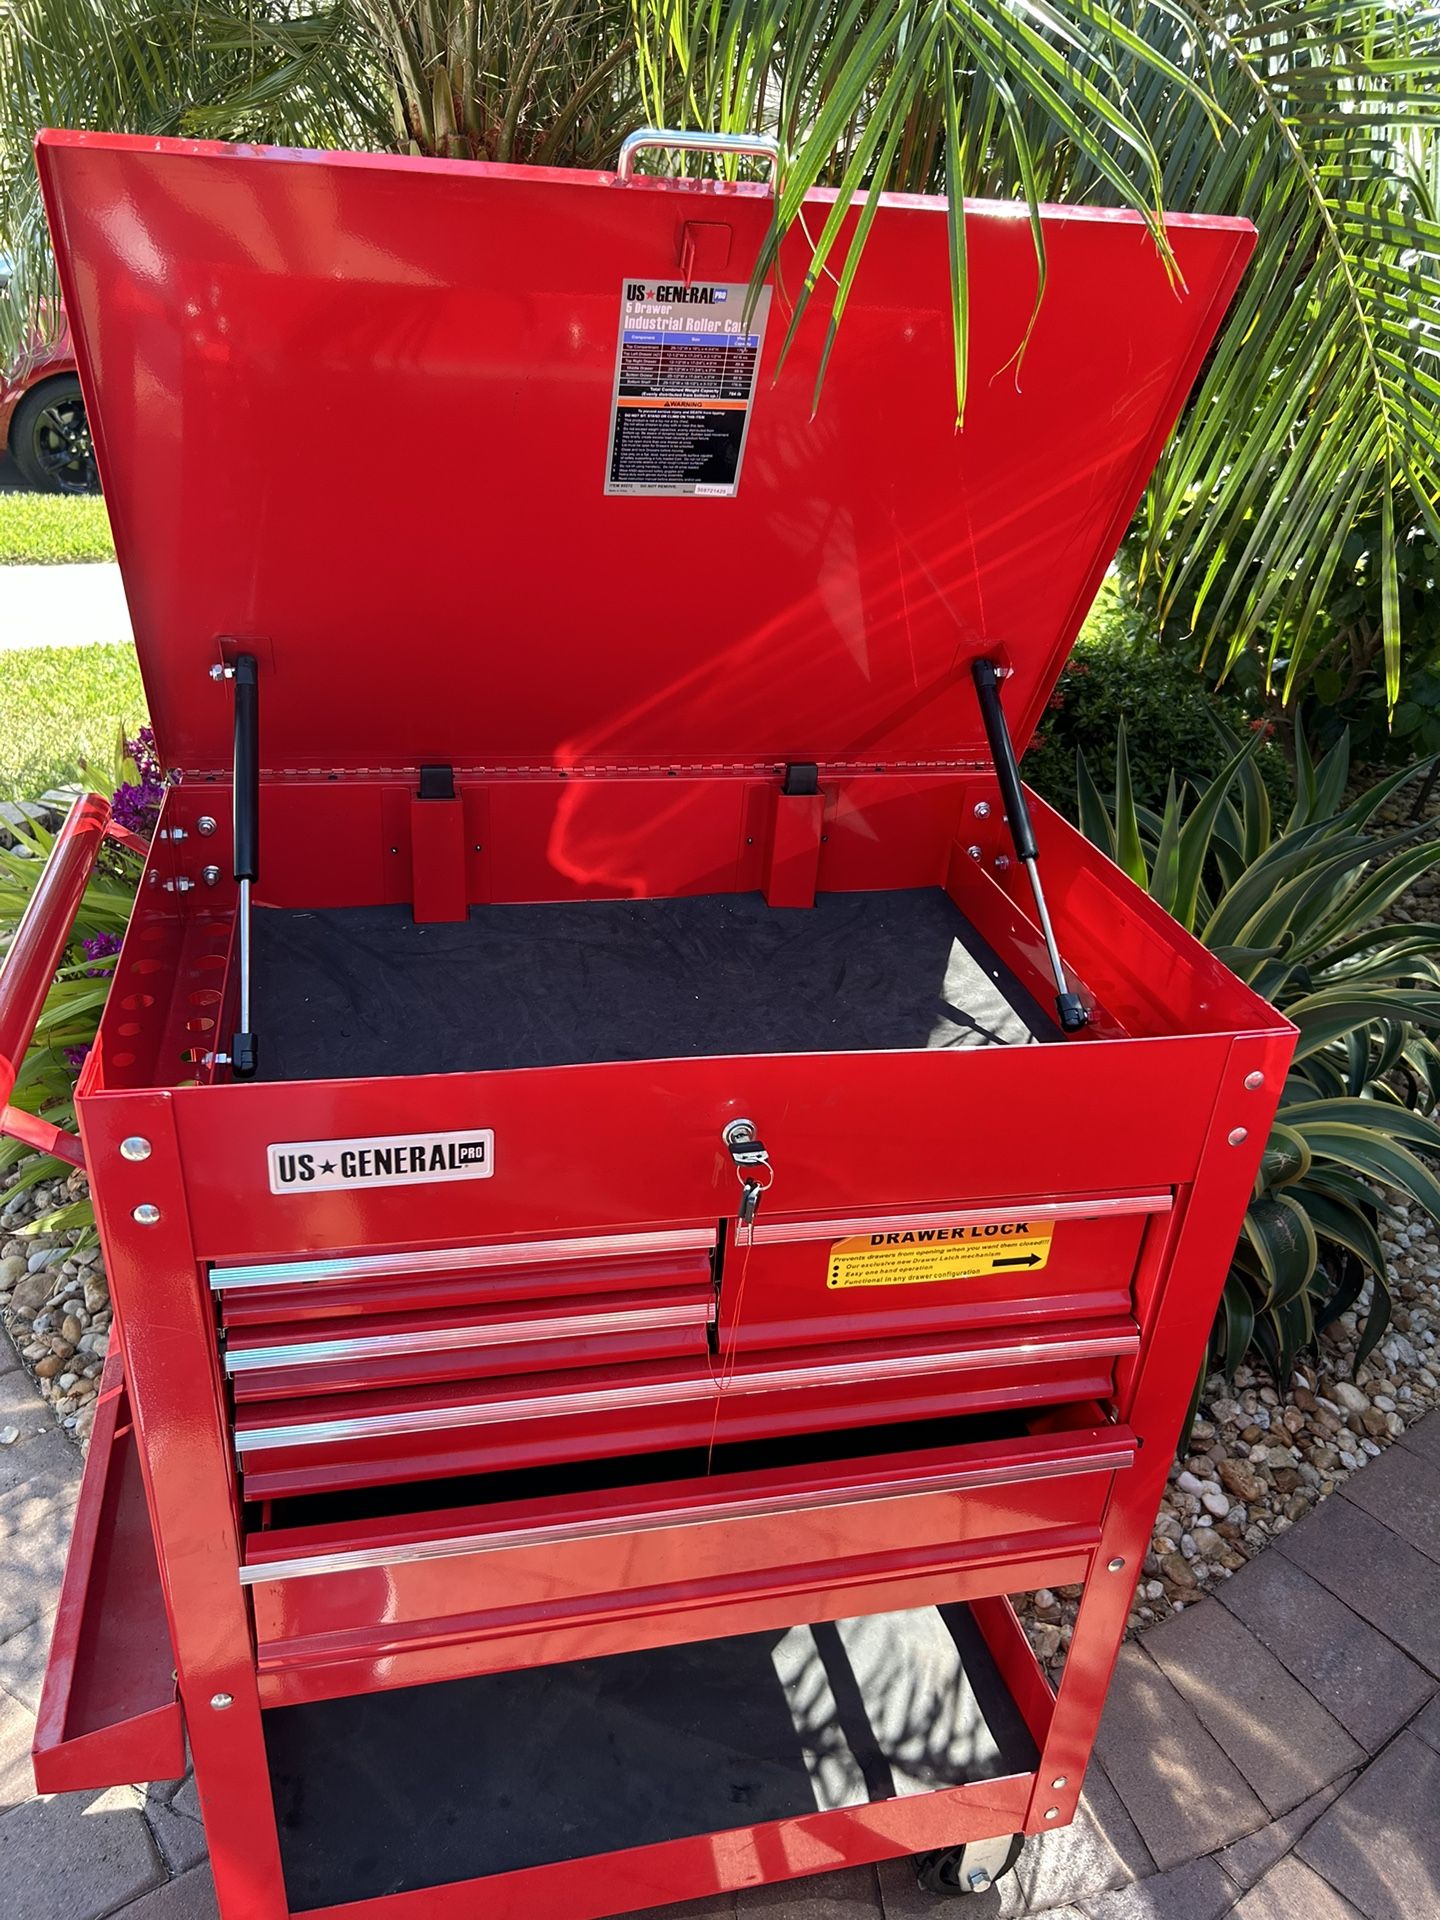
[[378, 1426], [378, 1346]]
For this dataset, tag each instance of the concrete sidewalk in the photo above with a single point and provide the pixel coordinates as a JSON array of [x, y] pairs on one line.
[[1272, 1753], [66, 606]]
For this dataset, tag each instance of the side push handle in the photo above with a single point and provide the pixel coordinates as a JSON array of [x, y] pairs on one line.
[[34, 958], [758, 146]]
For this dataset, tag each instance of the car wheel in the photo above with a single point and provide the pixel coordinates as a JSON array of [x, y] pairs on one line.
[[50, 439]]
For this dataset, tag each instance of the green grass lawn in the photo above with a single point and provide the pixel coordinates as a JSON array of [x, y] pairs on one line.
[[61, 709], [51, 527]]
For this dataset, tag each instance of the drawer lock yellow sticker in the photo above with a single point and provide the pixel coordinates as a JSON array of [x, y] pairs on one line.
[[900, 1258]]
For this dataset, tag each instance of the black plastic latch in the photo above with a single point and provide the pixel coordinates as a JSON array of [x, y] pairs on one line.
[[437, 783], [801, 777]]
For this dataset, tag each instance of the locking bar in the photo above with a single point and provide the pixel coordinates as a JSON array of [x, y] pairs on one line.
[[1068, 1005], [246, 839]]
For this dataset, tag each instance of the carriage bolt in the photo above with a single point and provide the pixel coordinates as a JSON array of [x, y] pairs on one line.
[[982, 809], [1114, 1566], [222, 1700], [974, 852], [1062, 1781], [1254, 1080], [205, 824], [135, 1148], [145, 1215], [1052, 1813], [1238, 1136]]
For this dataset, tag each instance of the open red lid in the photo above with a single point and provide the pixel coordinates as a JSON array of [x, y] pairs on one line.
[[453, 449]]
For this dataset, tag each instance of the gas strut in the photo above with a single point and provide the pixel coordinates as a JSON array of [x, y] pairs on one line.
[[988, 676], [243, 1058]]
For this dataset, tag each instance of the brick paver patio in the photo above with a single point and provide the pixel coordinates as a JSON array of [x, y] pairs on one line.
[[1272, 1753]]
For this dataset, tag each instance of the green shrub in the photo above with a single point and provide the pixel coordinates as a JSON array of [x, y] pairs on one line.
[[1297, 910], [1118, 672]]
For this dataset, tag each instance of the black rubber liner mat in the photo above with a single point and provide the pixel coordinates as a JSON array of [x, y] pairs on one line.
[[388, 1792], [357, 991]]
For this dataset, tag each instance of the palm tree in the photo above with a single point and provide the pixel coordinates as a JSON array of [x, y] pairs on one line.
[[1319, 413]]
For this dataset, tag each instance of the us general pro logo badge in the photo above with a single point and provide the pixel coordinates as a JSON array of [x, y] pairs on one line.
[[380, 1160]]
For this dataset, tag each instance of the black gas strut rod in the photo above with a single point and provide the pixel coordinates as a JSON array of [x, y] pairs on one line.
[[988, 676], [246, 835]]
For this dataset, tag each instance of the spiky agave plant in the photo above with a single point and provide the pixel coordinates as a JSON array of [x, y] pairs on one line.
[[1298, 910]]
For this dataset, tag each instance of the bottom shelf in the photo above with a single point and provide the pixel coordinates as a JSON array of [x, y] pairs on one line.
[[388, 1792]]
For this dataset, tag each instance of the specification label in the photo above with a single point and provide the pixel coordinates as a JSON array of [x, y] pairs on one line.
[[940, 1253], [684, 376]]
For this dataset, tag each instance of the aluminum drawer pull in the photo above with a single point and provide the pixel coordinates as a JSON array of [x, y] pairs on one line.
[[762, 1507], [576, 1326], [377, 1426], [1109, 1207], [529, 1253]]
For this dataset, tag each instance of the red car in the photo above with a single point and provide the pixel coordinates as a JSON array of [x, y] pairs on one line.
[[42, 419]]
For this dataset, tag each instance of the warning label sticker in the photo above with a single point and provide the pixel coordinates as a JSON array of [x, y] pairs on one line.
[[684, 374], [939, 1253]]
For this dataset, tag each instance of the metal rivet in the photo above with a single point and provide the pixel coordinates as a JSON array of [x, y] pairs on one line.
[[1063, 1781], [1238, 1136], [1254, 1080], [222, 1700], [982, 809], [1002, 861], [210, 875], [1052, 1813], [974, 852], [205, 824], [146, 1215], [135, 1148], [1115, 1566]]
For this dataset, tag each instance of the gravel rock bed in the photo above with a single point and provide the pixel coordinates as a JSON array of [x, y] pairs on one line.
[[54, 1304]]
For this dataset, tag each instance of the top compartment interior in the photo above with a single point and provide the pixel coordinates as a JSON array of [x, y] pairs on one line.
[[357, 991]]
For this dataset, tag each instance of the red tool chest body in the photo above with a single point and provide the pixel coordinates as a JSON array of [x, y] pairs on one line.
[[525, 1532]]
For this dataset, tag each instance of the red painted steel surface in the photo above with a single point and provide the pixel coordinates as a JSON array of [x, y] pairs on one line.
[[617, 683], [108, 1710], [827, 612]]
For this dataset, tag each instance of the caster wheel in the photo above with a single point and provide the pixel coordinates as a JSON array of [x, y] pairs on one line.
[[973, 1868]]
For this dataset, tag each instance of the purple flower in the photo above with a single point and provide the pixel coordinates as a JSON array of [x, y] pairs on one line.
[[136, 805], [97, 947], [75, 1057]]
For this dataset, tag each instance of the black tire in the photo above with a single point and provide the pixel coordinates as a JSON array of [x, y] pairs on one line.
[[944, 1872], [50, 439]]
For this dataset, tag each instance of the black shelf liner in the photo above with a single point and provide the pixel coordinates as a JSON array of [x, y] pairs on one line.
[[385, 1793], [359, 991]]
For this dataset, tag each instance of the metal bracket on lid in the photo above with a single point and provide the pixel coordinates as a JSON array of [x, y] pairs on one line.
[[757, 146]]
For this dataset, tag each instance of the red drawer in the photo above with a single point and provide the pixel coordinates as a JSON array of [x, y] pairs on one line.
[[304, 1446], [564, 1566]]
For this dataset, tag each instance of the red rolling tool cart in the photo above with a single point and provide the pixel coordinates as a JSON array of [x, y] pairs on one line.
[[634, 1227]]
